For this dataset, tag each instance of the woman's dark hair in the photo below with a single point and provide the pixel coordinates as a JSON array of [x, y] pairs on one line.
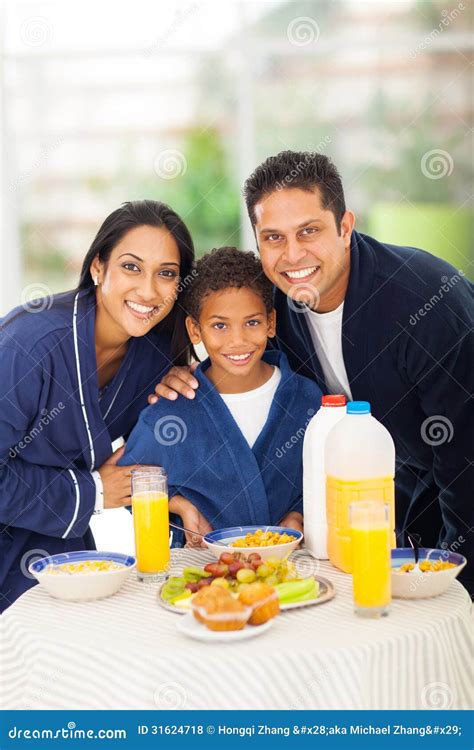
[[305, 170], [223, 268], [154, 214]]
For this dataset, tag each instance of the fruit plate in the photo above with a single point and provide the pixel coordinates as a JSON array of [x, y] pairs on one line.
[[190, 627], [326, 589]]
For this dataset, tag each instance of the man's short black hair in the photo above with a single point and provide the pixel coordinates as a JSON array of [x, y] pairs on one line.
[[224, 268], [305, 170]]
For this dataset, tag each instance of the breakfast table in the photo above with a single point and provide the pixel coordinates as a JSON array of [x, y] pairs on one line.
[[125, 652]]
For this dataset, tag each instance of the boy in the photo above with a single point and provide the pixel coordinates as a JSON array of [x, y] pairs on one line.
[[233, 454]]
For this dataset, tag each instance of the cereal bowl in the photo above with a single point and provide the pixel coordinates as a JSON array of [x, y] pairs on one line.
[[82, 576], [423, 585], [222, 540]]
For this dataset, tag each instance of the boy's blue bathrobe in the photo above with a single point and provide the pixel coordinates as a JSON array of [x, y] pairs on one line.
[[55, 430], [209, 461]]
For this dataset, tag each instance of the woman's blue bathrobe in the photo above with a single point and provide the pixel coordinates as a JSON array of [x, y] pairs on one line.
[[209, 461]]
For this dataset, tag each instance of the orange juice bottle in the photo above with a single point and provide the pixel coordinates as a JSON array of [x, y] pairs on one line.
[[151, 521], [371, 574], [359, 465]]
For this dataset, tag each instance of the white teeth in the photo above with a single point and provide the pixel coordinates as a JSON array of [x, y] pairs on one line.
[[302, 273], [238, 356], [139, 308]]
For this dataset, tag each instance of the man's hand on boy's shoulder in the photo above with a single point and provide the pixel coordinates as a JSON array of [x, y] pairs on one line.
[[177, 381]]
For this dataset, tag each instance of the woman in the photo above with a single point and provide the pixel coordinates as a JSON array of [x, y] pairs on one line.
[[75, 377]]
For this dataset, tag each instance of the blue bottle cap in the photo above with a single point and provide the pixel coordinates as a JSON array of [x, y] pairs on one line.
[[358, 407]]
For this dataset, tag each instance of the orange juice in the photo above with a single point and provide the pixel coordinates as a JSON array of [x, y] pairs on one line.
[[371, 566], [151, 525], [371, 573], [340, 494]]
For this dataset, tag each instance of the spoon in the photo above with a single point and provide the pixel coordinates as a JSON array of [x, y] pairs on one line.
[[415, 542], [190, 531]]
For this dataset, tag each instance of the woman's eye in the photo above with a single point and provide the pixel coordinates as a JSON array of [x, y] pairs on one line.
[[168, 273], [130, 267]]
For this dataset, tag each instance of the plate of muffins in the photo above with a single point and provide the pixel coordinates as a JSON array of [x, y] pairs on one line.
[[218, 616]]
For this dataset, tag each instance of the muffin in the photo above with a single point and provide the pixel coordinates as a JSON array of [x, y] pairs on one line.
[[206, 599], [227, 614], [264, 602]]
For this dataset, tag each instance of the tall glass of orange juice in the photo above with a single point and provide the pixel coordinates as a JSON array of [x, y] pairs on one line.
[[370, 541], [151, 521]]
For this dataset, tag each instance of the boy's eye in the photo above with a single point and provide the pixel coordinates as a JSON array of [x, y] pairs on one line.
[[219, 326], [253, 323]]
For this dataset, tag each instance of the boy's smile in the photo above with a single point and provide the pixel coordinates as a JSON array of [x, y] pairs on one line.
[[234, 327]]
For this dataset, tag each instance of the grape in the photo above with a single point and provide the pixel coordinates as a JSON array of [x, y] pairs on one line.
[[193, 586], [227, 558], [253, 556], [263, 571], [222, 582], [205, 582], [218, 570], [246, 576], [235, 566]]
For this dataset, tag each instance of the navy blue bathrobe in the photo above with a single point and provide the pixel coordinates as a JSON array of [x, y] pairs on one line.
[[209, 461], [407, 342], [54, 430]]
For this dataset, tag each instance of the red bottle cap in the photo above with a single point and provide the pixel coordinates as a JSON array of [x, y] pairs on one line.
[[333, 401]]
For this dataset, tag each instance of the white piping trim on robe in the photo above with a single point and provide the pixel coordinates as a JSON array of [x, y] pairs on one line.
[[81, 394], [78, 500]]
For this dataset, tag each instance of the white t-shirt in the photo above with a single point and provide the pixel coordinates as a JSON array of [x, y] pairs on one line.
[[250, 410], [326, 333]]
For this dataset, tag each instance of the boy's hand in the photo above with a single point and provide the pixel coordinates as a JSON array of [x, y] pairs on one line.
[[192, 519], [178, 380], [293, 520]]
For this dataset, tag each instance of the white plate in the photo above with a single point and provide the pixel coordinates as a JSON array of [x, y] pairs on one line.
[[188, 625]]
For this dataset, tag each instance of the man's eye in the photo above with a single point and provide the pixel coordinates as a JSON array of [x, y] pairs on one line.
[[130, 267], [273, 237], [309, 230]]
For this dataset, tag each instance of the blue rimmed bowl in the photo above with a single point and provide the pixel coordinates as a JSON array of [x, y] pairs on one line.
[[221, 540], [82, 587], [423, 585]]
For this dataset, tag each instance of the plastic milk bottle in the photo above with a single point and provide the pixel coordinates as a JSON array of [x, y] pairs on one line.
[[333, 408], [360, 465]]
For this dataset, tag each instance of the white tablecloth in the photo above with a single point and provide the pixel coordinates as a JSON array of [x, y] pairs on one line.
[[125, 652]]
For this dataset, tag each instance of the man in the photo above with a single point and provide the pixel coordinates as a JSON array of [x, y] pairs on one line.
[[382, 323]]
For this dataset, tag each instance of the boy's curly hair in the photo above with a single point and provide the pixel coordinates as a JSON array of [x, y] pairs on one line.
[[222, 268]]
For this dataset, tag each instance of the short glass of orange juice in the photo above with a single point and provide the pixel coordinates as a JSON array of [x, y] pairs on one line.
[[371, 555], [151, 522]]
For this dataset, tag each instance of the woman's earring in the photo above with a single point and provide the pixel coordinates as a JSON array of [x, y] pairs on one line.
[[96, 281]]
